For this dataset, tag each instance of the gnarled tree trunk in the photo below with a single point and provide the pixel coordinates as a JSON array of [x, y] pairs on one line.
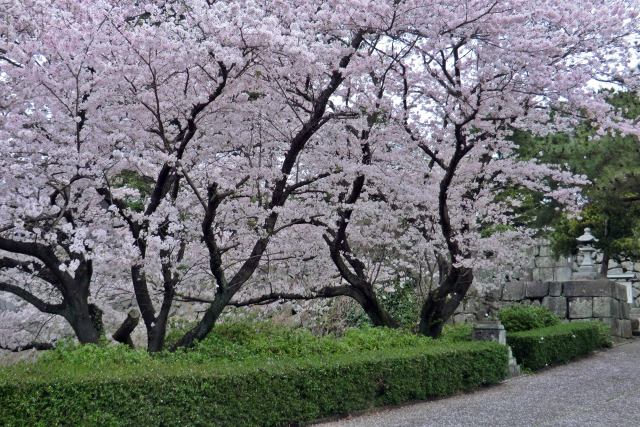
[[378, 315], [443, 301], [123, 333], [84, 318]]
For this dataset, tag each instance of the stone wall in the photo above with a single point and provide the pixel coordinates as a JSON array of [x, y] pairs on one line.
[[602, 299], [545, 266]]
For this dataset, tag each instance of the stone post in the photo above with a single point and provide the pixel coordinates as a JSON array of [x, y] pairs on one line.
[[493, 330], [490, 330]]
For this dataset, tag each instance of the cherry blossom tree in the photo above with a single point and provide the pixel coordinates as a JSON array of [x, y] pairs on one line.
[[489, 68], [177, 68], [296, 105], [52, 156]]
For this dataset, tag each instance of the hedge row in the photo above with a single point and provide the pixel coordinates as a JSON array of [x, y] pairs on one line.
[[537, 348], [270, 393]]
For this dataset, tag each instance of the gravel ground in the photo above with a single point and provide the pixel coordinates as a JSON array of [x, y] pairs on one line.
[[600, 390]]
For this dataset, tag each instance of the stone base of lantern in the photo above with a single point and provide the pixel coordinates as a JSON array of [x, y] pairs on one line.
[[586, 273]]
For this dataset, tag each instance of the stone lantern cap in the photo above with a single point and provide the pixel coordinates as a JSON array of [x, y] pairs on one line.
[[587, 237]]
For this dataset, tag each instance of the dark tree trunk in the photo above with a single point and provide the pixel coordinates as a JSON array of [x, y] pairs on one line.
[[208, 321], [83, 324], [123, 333], [604, 265], [155, 324], [84, 318], [378, 315], [156, 336], [351, 269], [443, 301], [158, 332], [96, 318]]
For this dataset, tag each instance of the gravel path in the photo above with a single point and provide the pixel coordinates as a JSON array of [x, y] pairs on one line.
[[600, 390]]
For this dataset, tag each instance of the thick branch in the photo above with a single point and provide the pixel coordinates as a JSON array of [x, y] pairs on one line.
[[41, 305], [167, 173], [35, 250], [293, 187], [33, 268], [32, 345], [326, 292]]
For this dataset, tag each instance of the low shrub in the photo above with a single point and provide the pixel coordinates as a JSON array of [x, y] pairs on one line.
[[537, 348], [245, 340], [518, 318], [604, 334], [258, 392], [370, 338]]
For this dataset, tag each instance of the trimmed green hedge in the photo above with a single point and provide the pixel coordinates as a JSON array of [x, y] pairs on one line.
[[249, 393], [537, 348]]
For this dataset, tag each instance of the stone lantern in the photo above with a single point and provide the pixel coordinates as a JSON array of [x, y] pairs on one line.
[[587, 268]]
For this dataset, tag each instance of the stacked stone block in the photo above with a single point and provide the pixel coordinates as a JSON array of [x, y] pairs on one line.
[[576, 300], [546, 267]]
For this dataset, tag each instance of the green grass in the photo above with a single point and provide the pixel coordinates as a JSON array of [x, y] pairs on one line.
[[228, 344], [457, 333], [241, 341]]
